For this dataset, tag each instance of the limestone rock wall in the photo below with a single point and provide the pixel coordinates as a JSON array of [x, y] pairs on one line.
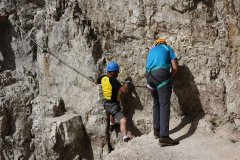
[[35, 126], [86, 34], [204, 34], [16, 49], [18, 88], [56, 133]]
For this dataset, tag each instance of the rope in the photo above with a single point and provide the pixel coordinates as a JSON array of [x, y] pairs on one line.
[[46, 50], [60, 60], [139, 86]]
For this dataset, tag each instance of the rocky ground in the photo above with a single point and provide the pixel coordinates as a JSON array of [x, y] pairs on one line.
[[196, 142]]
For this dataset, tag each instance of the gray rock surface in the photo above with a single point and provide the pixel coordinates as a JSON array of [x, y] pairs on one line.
[[35, 126], [18, 89], [86, 34]]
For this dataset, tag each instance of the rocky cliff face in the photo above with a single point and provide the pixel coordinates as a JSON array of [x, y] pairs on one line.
[[17, 91], [37, 127], [87, 34]]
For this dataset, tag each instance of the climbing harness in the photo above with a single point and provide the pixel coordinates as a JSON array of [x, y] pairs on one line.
[[160, 85], [163, 83], [160, 66]]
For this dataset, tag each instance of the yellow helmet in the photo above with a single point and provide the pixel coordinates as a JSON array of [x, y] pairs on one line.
[[160, 40]]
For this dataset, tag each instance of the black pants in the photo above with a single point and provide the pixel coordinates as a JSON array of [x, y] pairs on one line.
[[161, 100]]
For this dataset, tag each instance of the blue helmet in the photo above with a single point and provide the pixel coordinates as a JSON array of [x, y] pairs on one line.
[[112, 67]]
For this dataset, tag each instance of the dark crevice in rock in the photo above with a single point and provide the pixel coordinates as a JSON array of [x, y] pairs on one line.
[[86, 148], [60, 9], [6, 79], [5, 121], [77, 11], [154, 11], [214, 73], [179, 11], [8, 62], [59, 145], [212, 18], [8, 127], [142, 18], [127, 38], [192, 5], [97, 51], [34, 48], [92, 40], [92, 34], [34, 54], [209, 3], [11, 127], [39, 3]]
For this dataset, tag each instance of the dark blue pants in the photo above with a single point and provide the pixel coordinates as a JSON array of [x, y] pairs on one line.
[[161, 100]]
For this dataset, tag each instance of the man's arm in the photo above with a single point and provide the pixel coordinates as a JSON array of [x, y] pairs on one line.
[[123, 89], [120, 88], [175, 67], [174, 63]]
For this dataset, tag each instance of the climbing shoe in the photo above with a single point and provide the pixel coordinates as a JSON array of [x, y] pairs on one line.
[[167, 141], [156, 133], [126, 138]]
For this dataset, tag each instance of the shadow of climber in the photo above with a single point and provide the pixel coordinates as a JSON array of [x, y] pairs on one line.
[[130, 102], [190, 105], [7, 57]]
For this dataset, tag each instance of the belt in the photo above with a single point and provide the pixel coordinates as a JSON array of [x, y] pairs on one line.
[[161, 66], [111, 101], [163, 83]]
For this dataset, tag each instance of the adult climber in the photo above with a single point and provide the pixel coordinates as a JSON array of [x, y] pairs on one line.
[[112, 90], [161, 67]]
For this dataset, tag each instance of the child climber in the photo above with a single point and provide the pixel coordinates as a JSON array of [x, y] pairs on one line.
[[112, 90]]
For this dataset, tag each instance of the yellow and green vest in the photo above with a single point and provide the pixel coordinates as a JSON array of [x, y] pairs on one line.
[[110, 87]]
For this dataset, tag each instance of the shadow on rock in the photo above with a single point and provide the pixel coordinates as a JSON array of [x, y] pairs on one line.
[[131, 102], [193, 121], [6, 33], [88, 152], [190, 106]]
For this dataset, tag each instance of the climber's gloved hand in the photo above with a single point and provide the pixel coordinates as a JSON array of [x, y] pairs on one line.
[[128, 81]]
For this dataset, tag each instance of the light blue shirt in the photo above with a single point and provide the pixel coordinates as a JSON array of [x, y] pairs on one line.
[[160, 55]]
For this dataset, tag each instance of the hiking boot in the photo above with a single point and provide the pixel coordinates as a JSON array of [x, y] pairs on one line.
[[156, 133], [167, 141], [111, 128], [126, 138]]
